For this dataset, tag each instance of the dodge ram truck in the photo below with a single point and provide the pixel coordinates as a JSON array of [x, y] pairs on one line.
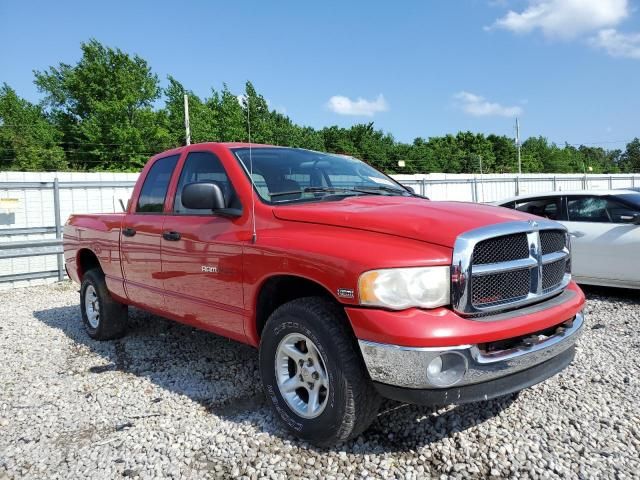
[[352, 287]]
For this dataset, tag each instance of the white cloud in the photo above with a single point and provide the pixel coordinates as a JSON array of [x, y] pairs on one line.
[[617, 44], [360, 107], [480, 107], [565, 18]]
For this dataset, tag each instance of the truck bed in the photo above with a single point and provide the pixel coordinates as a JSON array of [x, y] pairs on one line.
[[97, 232]]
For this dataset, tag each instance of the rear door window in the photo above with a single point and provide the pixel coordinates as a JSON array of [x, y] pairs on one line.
[[547, 207], [155, 186]]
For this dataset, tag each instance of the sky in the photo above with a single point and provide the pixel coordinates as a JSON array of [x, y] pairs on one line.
[[568, 69]]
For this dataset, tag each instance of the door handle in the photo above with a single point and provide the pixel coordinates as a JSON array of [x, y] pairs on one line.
[[128, 232], [171, 236], [577, 234]]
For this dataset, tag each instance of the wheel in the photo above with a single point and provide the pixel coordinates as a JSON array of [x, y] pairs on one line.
[[313, 375], [104, 318]]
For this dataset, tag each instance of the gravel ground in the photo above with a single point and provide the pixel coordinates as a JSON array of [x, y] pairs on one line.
[[170, 401]]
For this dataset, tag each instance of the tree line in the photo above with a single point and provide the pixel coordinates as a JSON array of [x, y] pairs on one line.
[[103, 113]]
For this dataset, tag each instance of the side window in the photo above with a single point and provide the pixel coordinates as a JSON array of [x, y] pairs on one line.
[[621, 213], [204, 167], [599, 209], [547, 207], [154, 189]]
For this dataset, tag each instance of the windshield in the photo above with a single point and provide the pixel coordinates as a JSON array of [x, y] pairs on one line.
[[291, 174]]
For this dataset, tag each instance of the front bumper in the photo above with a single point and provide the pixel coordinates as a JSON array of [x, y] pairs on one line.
[[480, 391], [406, 367]]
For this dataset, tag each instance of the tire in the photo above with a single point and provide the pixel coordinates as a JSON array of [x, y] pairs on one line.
[[349, 403], [111, 319]]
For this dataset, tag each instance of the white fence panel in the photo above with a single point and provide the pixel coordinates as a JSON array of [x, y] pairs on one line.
[[30, 214]]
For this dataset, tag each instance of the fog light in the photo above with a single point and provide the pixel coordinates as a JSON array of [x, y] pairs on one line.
[[447, 369]]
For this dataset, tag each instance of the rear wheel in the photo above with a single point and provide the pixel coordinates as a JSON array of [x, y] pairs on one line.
[[313, 375], [104, 318]]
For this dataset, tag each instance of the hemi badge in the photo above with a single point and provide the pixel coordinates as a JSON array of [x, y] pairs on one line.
[[345, 292]]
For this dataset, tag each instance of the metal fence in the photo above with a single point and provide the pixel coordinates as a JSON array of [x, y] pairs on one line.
[[491, 188], [31, 234], [32, 214]]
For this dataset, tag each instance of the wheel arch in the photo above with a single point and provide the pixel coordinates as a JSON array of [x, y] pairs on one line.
[[278, 289], [86, 260]]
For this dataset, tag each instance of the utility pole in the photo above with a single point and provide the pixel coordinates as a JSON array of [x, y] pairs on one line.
[[186, 119], [518, 146], [481, 179]]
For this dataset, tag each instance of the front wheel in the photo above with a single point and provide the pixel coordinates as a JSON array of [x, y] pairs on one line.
[[313, 376]]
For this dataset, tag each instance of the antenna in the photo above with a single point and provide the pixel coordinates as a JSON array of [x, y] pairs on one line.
[[254, 235]]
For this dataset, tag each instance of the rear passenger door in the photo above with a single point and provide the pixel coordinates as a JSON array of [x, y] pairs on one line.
[[604, 243], [202, 254], [141, 233]]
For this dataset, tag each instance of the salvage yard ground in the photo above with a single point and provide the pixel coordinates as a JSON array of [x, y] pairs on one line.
[[171, 401]]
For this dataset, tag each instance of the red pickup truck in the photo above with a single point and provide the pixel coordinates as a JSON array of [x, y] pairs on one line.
[[352, 286]]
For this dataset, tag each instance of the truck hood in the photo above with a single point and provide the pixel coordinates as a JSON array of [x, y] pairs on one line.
[[410, 217]]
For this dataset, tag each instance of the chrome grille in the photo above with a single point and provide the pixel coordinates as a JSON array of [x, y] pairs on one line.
[[553, 273], [499, 288], [552, 241], [501, 249], [508, 265]]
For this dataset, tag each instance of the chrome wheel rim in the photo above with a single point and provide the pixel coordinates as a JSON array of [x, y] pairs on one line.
[[301, 374], [92, 306]]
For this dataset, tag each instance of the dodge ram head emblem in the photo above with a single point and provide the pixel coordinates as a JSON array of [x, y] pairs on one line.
[[533, 223]]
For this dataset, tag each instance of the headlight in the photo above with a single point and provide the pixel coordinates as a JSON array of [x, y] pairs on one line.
[[399, 288]]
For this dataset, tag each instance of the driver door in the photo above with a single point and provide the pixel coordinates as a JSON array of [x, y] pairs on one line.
[[202, 255]]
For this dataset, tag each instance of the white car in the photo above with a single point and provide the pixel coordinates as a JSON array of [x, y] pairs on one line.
[[604, 227]]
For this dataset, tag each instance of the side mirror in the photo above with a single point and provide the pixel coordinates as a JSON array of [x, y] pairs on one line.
[[203, 195]]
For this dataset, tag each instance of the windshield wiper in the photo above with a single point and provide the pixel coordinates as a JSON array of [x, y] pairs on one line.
[[380, 188], [368, 190], [318, 190]]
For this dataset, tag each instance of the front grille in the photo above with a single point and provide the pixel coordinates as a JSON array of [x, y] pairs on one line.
[[500, 288], [552, 274], [501, 249], [528, 262], [552, 241]]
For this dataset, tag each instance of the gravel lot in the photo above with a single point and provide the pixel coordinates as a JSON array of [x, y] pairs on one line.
[[170, 401]]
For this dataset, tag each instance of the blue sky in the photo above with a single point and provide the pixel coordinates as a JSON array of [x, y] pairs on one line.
[[570, 69]]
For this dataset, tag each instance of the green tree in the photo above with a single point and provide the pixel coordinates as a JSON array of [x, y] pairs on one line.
[[101, 113], [504, 152], [104, 106], [260, 118], [631, 156], [231, 117], [27, 140]]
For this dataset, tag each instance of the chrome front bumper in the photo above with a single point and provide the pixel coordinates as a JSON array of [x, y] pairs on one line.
[[407, 366]]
